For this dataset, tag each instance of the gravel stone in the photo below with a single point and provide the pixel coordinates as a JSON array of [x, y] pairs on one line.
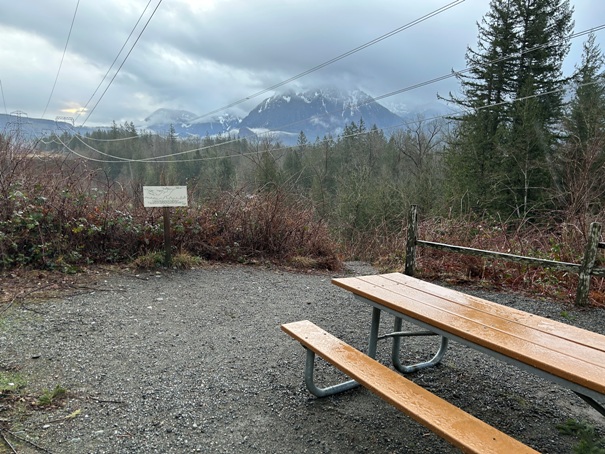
[[195, 361]]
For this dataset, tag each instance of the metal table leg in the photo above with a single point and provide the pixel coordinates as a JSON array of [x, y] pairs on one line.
[[395, 355], [350, 384]]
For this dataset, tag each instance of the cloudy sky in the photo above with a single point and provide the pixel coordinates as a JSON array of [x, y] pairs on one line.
[[203, 55]]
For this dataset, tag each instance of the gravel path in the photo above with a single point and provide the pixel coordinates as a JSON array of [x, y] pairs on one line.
[[195, 361]]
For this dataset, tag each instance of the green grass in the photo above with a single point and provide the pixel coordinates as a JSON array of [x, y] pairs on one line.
[[589, 441], [48, 397], [10, 382]]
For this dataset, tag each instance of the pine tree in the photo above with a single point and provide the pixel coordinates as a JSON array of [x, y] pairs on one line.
[[543, 43], [581, 161], [475, 154], [512, 96]]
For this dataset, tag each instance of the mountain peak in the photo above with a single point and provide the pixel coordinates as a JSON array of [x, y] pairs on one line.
[[165, 116], [317, 112]]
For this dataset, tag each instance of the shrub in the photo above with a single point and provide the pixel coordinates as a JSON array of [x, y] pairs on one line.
[[61, 213]]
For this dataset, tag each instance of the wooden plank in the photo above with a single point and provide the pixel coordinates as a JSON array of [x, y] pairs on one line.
[[525, 345], [495, 315], [463, 430], [560, 357], [564, 266], [563, 330]]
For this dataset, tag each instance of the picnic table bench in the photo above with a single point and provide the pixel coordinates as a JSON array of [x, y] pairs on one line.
[[569, 356]]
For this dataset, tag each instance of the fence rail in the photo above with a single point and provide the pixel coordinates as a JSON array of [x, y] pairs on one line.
[[585, 270]]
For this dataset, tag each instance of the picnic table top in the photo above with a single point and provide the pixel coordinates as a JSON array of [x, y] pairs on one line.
[[565, 351]]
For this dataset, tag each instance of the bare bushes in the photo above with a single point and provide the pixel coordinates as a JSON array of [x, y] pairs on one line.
[[59, 213], [557, 241], [269, 225]]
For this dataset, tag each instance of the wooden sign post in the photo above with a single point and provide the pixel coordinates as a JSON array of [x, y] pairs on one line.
[[165, 197]]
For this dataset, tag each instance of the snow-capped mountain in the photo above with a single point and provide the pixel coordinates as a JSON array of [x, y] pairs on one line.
[[317, 113], [169, 117], [187, 123]]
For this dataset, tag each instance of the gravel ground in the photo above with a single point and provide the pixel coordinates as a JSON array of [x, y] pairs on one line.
[[195, 361]]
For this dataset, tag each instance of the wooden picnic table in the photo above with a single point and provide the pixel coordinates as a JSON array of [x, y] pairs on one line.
[[567, 355], [570, 356]]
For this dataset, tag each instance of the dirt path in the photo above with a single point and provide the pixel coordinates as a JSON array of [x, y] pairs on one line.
[[195, 362]]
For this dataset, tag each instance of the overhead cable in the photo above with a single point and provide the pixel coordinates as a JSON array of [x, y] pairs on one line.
[[122, 64], [449, 75], [114, 61], [335, 59], [161, 159], [3, 100], [371, 100], [62, 58]]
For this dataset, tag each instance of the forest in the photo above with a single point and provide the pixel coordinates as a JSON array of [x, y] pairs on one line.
[[518, 168]]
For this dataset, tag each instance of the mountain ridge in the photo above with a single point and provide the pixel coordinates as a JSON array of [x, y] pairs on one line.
[[317, 112]]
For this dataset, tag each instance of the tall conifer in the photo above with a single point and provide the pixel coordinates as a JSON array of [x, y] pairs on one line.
[[512, 97]]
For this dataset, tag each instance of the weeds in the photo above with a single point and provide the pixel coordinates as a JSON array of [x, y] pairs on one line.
[[589, 440], [10, 382], [61, 214], [154, 260], [50, 397], [559, 242]]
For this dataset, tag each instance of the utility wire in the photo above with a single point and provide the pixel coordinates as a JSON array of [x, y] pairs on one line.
[[62, 58], [114, 61], [122, 64], [371, 100], [3, 100], [161, 159], [309, 71], [335, 59]]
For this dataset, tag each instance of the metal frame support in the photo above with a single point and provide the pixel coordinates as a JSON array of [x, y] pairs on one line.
[[395, 354], [592, 402], [372, 347], [344, 386], [329, 390]]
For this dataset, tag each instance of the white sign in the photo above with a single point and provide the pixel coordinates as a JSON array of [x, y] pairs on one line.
[[165, 196]]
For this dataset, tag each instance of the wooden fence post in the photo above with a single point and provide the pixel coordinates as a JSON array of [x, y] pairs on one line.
[[590, 254], [167, 239], [410, 246]]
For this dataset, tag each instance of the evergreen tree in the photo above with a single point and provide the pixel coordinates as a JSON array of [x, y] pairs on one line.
[[475, 155], [293, 162], [586, 120], [512, 94], [581, 161], [543, 41]]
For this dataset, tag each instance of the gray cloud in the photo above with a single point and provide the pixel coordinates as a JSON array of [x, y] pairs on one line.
[[200, 55]]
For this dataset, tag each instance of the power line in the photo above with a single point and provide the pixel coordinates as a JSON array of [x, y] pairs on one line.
[[122, 64], [428, 82], [335, 59], [304, 73], [409, 88], [62, 58], [386, 95], [156, 160], [497, 60], [3, 100], [114, 60]]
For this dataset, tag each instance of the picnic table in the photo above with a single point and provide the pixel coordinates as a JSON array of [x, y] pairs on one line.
[[567, 355]]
